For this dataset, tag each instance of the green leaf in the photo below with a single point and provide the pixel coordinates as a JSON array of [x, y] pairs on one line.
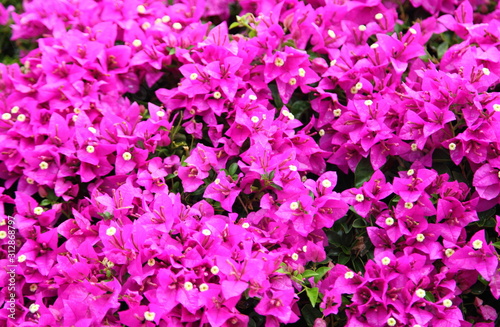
[[359, 223], [299, 107], [320, 273], [233, 168], [430, 297], [364, 172], [234, 25], [343, 259], [310, 314], [45, 202], [312, 294], [276, 95], [442, 48], [309, 273], [497, 245]]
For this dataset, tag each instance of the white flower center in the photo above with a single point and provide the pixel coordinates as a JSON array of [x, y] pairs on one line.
[[477, 244], [137, 43], [360, 197], [326, 183], [38, 211], [149, 316], [294, 205], [127, 156], [389, 221], [34, 307], [188, 286], [420, 293], [349, 275], [111, 231]]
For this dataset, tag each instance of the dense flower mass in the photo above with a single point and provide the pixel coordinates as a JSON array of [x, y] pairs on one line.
[[251, 163]]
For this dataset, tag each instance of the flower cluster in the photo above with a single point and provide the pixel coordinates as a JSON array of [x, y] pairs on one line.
[[312, 159]]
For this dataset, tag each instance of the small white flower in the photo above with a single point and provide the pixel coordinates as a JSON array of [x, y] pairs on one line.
[[217, 95], [137, 43], [43, 165], [255, 119], [486, 71], [111, 231], [302, 72], [304, 248], [354, 90], [206, 232], [333, 62], [292, 81], [414, 147], [74, 118], [21, 117], [408, 205], [374, 46], [294, 205], [391, 322], [90, 149], [165, 19], [22, 258], [177, 26], [245, 225], [386, 261], [412, 30], [337, 112], [360, 197], [295, 257], [321, 132], [326, 183], [34, 307], [127, 156], [389, 221], [146, 25], [496, 107], [349, 275], [6, 116], [447, 303], [33, 287], [151, 262], [77, 110], [332, 34], [38, 211], [217, 181], [420, 237], [92, 130], [477, 244], [449, 252], [420, 293], [379, 16], [203, 287], [279, 62], [368, 102], [188, 286], [358, 86], [160, 114], [214, 270], [362, 28], [3, 235], [292, 167], [193, 76], [141, 9], [410, 172], [149, 316], [14, 110], [452, 146]]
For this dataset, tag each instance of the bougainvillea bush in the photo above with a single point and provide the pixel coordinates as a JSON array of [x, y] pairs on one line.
[[251, 163]]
